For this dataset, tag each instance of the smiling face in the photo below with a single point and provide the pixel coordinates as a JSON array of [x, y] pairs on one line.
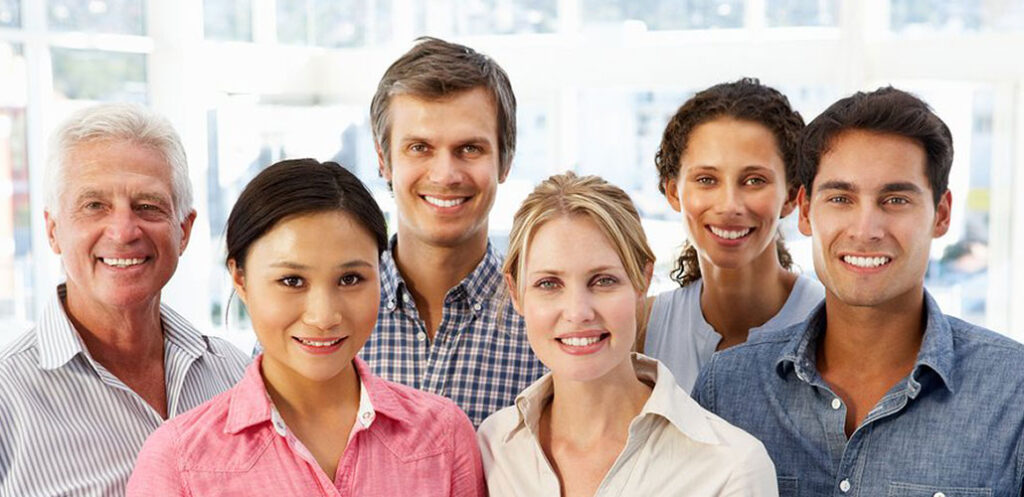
[[579, 305], [732, 191], [310, 285], [872, 218], [444, 166], [115, 228]]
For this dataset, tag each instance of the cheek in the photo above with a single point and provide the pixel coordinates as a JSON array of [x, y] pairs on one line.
[[270, 311]]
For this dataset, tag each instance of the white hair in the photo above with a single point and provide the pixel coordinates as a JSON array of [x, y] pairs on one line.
[[118, 121]]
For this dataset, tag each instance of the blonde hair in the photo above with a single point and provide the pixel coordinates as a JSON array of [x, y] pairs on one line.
[[607, 205]]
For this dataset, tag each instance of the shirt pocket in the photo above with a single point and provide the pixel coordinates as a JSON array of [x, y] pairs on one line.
[[900, 489], [789, 486]]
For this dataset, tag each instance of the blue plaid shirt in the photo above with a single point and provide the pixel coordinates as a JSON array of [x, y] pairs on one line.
[[479, 357]]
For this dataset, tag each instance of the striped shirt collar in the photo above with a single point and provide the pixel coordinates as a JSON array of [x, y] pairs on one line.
[[59, 342], [250, 405], [481, 284]]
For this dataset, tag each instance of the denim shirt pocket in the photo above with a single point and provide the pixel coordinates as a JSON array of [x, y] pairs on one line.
[[789, 486], [900, 489]]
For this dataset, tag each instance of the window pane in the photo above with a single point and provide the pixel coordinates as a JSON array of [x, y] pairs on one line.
[[229, 20], [802, 12], [485, 17], [99, 75], [98, 16], [955, 16], [15, 219], [10, 14], [334, 23], [666, 14]]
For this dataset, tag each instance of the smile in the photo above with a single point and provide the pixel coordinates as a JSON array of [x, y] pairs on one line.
[[730, 234], [445, 203], [319, 343], [866, 262], [582, 341], [122, 263]]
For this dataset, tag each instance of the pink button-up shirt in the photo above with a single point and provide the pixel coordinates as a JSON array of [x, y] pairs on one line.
[[404, 442]]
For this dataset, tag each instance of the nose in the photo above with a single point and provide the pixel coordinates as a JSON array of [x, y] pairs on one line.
[[730, 200], [868, 224], [123, 225], [445, 169], [580, 306], [323, 310]]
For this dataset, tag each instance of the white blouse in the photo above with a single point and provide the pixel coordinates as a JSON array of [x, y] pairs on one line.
[[674, 447]]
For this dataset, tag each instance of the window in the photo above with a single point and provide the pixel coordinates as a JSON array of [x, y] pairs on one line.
[[228, 20], [97, 16], [99, 75]]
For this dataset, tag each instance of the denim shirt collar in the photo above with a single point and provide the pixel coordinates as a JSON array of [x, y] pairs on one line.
[[478, 288], [936, 353]]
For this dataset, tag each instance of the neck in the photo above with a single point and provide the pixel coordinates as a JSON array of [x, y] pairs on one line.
[[875, 338], [587, 410], [430, 271], [297, 396], [117, 335], [760, 288]]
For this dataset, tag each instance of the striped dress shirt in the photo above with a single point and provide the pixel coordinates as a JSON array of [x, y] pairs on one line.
[[68, 427], [479, 356]]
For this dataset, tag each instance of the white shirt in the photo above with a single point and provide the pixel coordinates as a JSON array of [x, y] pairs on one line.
[[674, 447], [679, 336], [70, 428]]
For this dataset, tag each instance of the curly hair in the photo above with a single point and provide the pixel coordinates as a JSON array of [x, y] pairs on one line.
[[748, 100]]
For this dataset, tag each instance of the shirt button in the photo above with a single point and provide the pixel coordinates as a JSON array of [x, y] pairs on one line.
[[836, 403], [844, 486], [367, 415], [421, 336], [477, 306], [939, 494], [391, 304], [405, 298]]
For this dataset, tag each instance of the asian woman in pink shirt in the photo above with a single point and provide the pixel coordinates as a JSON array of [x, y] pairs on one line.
[[308, 417]]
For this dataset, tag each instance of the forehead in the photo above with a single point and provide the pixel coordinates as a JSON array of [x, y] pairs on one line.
[[116, 164], [469, 113], [556, 245], [870, 159], [726, 140], [321, 239]]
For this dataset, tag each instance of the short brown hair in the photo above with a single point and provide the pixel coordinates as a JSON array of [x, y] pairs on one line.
[[435, 69], [886, 110]]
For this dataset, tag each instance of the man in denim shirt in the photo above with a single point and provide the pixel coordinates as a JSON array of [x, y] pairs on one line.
[[878, 393]]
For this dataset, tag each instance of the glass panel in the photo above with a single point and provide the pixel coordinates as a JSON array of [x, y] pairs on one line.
[[481, 17], [10, 13], [229, 20], [333, 23], [666, 14], [98, 16], [802, 12], [954, 16], [16, 302], [99, 75]]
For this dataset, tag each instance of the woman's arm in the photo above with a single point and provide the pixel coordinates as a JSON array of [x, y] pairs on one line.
[[157, 470], [467, 468]]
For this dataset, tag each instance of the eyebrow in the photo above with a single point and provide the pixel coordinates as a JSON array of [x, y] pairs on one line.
[[555, 272], [345, 265], [846, 186]]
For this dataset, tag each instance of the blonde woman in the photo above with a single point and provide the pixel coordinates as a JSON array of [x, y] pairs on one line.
[[603, 421]]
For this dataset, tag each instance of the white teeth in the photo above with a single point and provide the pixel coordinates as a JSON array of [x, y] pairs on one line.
[[730, 235], [319, 343], [866, 262], [440, 202], [110, 261], [580, 341]]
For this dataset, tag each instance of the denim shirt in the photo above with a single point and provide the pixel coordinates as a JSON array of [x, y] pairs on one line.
[[954, 427]]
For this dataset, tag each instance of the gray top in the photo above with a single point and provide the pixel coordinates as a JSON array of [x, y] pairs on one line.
[[680, 337]]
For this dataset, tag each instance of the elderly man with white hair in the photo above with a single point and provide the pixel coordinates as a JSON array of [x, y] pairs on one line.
[[107, 363]]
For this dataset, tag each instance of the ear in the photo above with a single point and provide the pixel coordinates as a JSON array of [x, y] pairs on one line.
[[942, 215], [791, 202], [648, 274], [237, 279], [186, 231], [513, 291], [672, 194], [803, 200], [382, 164], [502, 176], [51, 235]]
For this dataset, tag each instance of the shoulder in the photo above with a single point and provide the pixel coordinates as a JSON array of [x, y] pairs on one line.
[[981, 347], [497, 426], [22, 349], [431, 417], [222, 350]]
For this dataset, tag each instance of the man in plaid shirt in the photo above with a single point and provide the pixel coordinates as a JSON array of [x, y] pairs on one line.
[[444, 128]]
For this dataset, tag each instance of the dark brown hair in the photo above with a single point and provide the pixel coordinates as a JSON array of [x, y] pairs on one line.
[[885, 110], [294, 187], [435, 69], [747, 100]]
